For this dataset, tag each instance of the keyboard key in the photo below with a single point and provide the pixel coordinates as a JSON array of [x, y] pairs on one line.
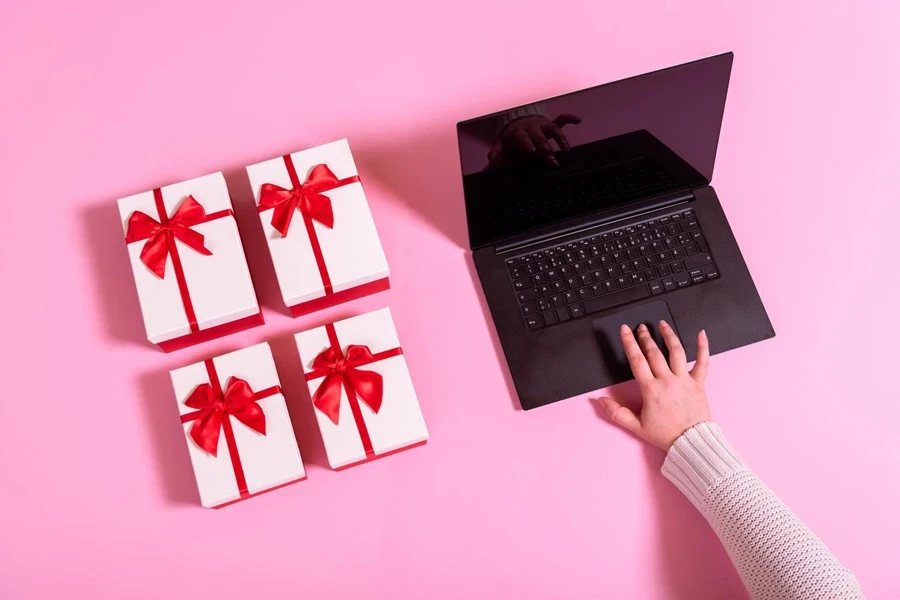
[[626, 268], [517, 273], [569, 257], [691, 249], [664, 220], [582, 254], [710, 271], [579, 268], [610, 286], [694, 272], [606, 237], [642, 227], [619, 257], [690, 224], [606, 260], [597, 289], [637, 278], [676, 267], [582, 243], [573, 283], [523, 284], [595, 251], [673, 228], [632, 253], [698, 261], [546, 290], [529, 269], [671, 243], [676, 217], [576, 310], [557, 301], [572, 245], [618, 233], [529, 295], [630, 231], [539, 279], [698, 278], [511, 262], [549, 252], [554, 262], [553, 275], [570, 297], [567, 271], [592, 264], [586, 279], [623, 282], [534, 322], [687, 214], [639, 264], [525, 259], [652, 223], [664, 270], [652, 260], [656, 287], [529, 309], [650, 274], [541, 265], [559, 286], [645, 249], [584, 293], [684, 238], [611, 272], [664, 257], [622, 297], [677, 253], [701, 243], [599, 276], [549, 317], [544, 304], [682, 280], [669, 284], [562, 314]]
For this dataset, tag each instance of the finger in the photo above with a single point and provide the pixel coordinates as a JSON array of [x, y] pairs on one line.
[[553, 130], [639, 366], [702, 365], [622, 416], [567, 119], [651, 351], [543, 146], [677, 357]]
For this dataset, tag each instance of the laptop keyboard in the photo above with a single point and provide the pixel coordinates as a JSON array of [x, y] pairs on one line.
[[563, 282]]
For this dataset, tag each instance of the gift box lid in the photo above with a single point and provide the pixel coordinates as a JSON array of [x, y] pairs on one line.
[[351, 249], [268, 459], [219, 285], [397, 423]]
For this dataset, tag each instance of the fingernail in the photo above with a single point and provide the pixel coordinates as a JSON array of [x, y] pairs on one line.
[[625, 329], [663, 324], [703, 332], [642, 327]]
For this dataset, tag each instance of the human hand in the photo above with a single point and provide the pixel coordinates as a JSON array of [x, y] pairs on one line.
[[674, 398], [528, 135]]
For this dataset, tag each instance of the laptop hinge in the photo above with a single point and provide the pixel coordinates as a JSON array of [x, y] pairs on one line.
[[607, 218]]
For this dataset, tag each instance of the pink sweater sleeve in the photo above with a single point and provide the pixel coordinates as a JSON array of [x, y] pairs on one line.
[[775, 554]]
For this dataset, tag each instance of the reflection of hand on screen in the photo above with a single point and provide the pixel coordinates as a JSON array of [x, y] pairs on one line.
[[524, 136]]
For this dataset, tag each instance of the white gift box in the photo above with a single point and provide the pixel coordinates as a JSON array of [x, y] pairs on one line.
[[316, 265], [215, 288], [247, 461], [357, 433]]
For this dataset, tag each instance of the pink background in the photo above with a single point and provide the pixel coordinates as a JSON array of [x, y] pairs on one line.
[[101, 100]]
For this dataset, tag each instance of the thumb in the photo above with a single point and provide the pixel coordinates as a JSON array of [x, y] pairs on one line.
[[621, 415], [567, 119]]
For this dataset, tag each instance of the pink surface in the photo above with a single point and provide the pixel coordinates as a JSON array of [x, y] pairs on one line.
[[102, 100]]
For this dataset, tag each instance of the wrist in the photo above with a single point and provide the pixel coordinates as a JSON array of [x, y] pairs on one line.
[[698, 460]]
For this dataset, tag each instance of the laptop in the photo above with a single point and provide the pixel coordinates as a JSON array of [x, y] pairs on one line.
[[593, 209]]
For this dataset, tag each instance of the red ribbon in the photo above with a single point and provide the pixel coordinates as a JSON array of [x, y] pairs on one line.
[[214, 407], [161, 235], [339, 370], [308, 199]]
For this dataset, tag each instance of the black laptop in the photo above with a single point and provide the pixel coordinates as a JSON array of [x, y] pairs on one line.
[[593, 209]]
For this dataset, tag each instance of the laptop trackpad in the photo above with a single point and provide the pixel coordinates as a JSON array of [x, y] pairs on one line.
[[607, 330]]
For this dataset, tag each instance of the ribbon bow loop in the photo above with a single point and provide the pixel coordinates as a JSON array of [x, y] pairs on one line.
[[238, 401], [306, 197], [161, 236], [340, 370]]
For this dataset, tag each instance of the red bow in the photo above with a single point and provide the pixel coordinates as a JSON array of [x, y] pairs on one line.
[[306, 197], [237, 401], [368, 385], [161, 236]]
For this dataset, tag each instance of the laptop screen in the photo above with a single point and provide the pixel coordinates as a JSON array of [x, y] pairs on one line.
[[596, 150]]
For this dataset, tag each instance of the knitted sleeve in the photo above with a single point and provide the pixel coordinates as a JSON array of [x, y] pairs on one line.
[[775, 554]]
